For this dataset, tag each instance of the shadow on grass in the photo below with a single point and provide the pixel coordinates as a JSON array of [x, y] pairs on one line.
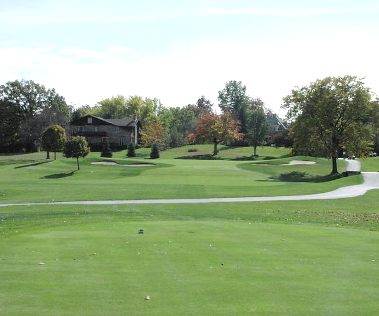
[[296, 176], [201, 157], [59, 175], [32, 164]]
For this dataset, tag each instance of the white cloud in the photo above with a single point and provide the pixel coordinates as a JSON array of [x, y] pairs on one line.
[[120, 49], [285, 12], [269, 71], [92, 54]]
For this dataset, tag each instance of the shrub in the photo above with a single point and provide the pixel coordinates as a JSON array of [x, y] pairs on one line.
[[192, 150], [106, 150], [154, 154], [131, 150]]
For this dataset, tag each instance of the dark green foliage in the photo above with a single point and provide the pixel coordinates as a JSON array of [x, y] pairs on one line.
[[131, 150], [76, 147], [53, 139], [27, 110], [154, 154], [106, 149]]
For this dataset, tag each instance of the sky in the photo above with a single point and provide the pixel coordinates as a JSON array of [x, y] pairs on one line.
[[179, 50]]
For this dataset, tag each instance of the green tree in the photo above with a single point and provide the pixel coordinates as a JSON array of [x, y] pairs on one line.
[[257, 127], [53, 139], [329, 116], [36, 108], [131, 150], [114, 107], [106, 149], [76, 147], [10, 118], [178, 123], [233, 99], [81, 112], [154, 154], [216, 129]]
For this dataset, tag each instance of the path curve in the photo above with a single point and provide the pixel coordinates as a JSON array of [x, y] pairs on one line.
[[371, 182]]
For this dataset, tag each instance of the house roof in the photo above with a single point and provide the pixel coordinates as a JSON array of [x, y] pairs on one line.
[[127, 122]]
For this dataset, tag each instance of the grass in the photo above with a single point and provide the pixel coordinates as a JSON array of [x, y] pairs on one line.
[[264, 258], [226, 176]]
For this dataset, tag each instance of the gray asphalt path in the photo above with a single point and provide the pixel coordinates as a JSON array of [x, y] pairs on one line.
[[371, 182]]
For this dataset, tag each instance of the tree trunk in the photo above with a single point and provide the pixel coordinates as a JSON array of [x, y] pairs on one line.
[[334, 168], [47, 154], [255, 151], [215, 150], [55, 155], [77, 160]]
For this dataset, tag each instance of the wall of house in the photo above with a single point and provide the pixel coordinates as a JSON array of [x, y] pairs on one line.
[[117, 136]]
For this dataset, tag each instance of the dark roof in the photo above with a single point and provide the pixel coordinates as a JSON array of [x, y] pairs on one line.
[[127, 122], [275, 120]]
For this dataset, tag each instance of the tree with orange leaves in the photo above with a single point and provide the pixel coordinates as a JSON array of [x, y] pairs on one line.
[[153, 134], [216, 129]]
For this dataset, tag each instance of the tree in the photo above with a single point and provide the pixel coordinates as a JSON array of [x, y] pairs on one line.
[[178, 123], [202, 106], [35, 107], [53, 139], [257, 127], [113, 108], [153, 133], [106, 149], [154, 154], [233, 99], [131, 150], [330, 116], [76, 147], [10, 118], [216, 129]]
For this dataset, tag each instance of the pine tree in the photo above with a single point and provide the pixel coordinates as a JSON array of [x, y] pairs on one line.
[[154, 154], [106, 150], [131, 150]]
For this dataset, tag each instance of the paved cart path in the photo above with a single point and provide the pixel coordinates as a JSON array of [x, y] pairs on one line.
[[371, 182]]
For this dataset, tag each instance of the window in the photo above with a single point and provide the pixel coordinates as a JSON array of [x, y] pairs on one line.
[[117, 130], [96, 129], [122, 141], [89, 120]]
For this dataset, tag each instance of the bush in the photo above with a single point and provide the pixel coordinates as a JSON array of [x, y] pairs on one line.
[[192, 150], [106, 150], [154, 154], [131, 150]]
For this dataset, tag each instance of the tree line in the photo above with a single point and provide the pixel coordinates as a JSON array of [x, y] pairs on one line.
[[331, 117], [27, 109]]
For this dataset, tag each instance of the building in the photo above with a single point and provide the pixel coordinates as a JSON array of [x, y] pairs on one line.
[[276, 124], [119, 132]]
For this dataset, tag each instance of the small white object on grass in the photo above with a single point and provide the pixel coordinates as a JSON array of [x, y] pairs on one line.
[[147, 298], [41, 263]]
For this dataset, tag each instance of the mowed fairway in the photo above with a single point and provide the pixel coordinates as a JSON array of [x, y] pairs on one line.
[[271, 258]]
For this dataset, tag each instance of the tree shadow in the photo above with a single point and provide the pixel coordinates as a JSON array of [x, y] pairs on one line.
[[59, 175], [32, 164], [296, 176], [201, 157]]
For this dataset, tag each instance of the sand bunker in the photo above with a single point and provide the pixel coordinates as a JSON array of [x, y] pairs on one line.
[[113, 163], [300, 162], [291, 163]]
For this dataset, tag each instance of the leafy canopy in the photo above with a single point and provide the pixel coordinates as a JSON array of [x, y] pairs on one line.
[[330, 116]]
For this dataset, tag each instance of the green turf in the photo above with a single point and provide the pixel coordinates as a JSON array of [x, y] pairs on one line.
[[263, 258], [172, 177]]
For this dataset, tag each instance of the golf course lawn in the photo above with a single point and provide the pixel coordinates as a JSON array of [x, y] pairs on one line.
[[262, 258]]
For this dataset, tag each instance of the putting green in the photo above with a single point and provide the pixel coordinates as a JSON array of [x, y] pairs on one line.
[[189, 268]]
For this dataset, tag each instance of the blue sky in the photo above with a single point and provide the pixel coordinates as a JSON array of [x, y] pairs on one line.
[[177, 51]]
